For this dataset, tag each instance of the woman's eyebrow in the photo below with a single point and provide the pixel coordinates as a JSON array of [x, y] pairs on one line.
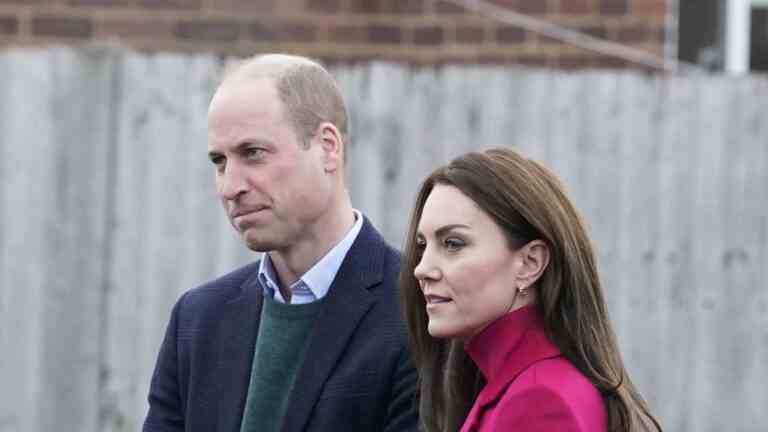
[[444, 229]]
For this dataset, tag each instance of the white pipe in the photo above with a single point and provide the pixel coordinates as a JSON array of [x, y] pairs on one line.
[[737, 31]]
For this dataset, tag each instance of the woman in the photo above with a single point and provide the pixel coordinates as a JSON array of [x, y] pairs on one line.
[[504, 306]]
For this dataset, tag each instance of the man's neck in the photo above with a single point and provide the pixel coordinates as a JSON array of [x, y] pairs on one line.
[[293, 262]]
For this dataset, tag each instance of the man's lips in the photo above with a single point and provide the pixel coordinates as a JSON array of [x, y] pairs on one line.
[[246, 211]]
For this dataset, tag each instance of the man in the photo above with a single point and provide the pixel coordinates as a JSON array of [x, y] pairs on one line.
[[310, 337]]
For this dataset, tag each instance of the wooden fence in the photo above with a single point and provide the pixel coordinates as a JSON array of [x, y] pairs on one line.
[[107, 214]]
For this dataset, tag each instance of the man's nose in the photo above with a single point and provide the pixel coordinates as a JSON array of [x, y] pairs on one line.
[[233, 182]]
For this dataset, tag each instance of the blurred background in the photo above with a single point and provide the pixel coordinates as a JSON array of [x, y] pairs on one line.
[[654, 113]]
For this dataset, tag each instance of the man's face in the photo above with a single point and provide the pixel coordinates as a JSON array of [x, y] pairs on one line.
[[273, 189]]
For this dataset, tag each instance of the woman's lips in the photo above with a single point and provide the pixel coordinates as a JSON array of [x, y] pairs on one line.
[[436, 299]]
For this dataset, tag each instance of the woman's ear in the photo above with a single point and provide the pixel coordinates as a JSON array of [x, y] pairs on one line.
[[535, 259]]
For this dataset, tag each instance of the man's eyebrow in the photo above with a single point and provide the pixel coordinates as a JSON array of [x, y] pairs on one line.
[[254, 141], [244, 144]]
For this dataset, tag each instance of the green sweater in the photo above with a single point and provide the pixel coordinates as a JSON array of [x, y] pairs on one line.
[[277, 360]]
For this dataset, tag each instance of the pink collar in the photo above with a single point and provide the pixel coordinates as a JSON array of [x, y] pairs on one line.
[[508, 346]]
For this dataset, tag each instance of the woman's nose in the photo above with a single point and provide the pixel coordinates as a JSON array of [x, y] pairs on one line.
[[426, 269]]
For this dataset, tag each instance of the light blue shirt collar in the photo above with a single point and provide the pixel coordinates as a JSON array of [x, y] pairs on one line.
[[316, 282]]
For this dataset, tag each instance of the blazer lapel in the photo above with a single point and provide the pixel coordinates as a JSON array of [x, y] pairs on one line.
[[237, 332], [347, 302]]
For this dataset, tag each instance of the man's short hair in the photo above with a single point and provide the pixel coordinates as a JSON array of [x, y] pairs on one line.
[[308, 92]]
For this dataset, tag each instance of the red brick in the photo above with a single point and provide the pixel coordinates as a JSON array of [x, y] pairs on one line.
[[276, 31], [532, 6], [454, 59], [53, 26], [613, 7], [243, 6], [609, 62], [326, 6], [103, 3], [212, 30], [546, 40], [384, 34], [432, 35], [145, 28], [598, 31], [657, 8], [182, 4], [576, 7], [386, 6], [657, 33], [533, 60], [573, 62], [348, 34], [402, 6], [509, 4], [363, 6], [470, 34], [9, 25], [632, 33], [445, 7], [491, 59], [510, 34]]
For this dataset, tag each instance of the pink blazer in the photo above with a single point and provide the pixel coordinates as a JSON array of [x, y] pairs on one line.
[[530, 386]]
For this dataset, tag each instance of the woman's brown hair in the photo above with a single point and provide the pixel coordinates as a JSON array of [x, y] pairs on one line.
[[527, 202]]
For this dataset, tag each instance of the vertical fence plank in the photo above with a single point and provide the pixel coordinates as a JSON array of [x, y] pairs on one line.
[[566, 125], [27, 176], [740, 259], [83, 84], [676, 120], [598, 155], [757, 198], [756, 209], [637, 234], [708, 279]]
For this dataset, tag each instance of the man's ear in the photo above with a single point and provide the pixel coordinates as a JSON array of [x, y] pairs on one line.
[[332, 144], [535, 259]]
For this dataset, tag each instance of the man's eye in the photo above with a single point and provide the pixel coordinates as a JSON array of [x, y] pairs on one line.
[[255, 153], [453, 244], [218, 161]]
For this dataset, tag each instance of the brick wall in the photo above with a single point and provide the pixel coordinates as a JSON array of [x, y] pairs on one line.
[[413, 31]]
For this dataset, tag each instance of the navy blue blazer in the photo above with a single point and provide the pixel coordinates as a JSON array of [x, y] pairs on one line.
[[357, 374]]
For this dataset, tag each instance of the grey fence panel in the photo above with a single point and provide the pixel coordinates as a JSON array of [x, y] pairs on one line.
[[60, 216], [26, 135], [676, 118], [755, 310], [108, 214]]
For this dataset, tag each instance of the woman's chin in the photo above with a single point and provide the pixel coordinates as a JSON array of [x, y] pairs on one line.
[[440, 331]]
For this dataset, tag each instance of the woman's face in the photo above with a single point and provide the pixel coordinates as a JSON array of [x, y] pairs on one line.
[[467, 271]]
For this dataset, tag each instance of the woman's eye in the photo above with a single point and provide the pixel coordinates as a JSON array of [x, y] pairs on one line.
[[421, 244], [453, 244]]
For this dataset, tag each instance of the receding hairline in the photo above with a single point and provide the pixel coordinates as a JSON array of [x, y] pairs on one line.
[[308, 92], [270, 66]]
